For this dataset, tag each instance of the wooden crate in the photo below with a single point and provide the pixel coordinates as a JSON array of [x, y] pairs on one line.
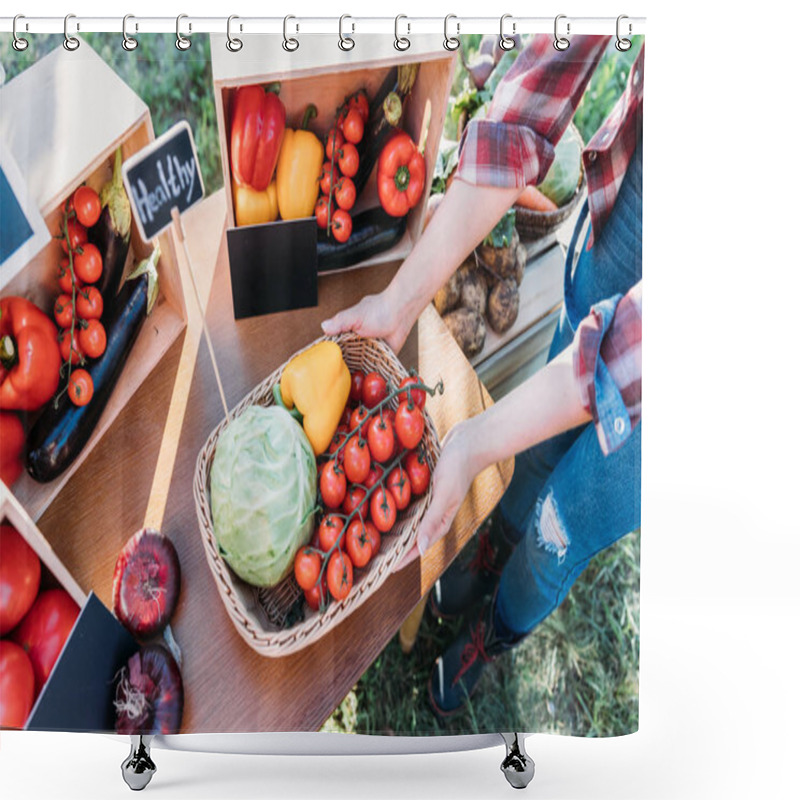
[[320, 72], [63, 120]]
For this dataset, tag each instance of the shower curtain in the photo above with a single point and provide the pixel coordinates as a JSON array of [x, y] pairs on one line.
[[320, 393]]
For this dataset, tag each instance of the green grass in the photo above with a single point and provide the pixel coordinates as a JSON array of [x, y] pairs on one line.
[[576, 674]]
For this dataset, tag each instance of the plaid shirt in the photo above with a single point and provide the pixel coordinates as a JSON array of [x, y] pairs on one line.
[[515, 145]]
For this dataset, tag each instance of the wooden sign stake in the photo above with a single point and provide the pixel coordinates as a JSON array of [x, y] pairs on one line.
[[178, 223]]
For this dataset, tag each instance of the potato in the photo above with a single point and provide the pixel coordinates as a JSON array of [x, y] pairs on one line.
[[446, 299], [503, 306], [468, 329], [500, 260], [474, 291]]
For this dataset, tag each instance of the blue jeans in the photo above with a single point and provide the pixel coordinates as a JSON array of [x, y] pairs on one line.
[[567, 501]]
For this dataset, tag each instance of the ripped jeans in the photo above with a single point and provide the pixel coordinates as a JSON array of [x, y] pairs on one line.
[[567, 501]]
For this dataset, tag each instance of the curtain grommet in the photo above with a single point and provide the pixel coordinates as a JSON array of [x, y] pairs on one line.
[[71, 43], [451, 43]]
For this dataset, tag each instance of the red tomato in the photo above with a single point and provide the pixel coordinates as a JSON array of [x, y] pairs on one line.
[[348, 160], [360, 102], [65, 278], [325, 181], [315, 596], [70, 348], [358, 417], [17, 685], [409, 424], [383, 510], [81, 387], [381, 439], [63, 311], [44, 630], [353, 126], [356, 460], [20, 572], [76, 236], [417, 395], [88, 264], [321, 211], [400, 487], [356, 382], [374, 476], [12, 451], [374, 390], [92, 338], [333, 141], [329, 530], [345, 193], [358, 545], [332, 484], [355, 494], [340, 575], [307, 566], [86, 203], [373, 535], [419, 473], [342, 225], [336, 442], [89, 303]]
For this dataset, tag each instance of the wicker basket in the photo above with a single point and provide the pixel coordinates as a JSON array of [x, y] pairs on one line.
[[259, 615], [534, 225]]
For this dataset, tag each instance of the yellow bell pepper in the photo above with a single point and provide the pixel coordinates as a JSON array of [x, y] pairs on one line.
[[317, 383], [299, 169], [253, 207]]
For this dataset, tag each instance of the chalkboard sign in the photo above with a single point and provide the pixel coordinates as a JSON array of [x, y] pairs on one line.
[[162, 176]]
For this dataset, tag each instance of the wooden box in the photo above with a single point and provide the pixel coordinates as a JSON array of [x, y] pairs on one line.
[[62, 121], [319, 72]]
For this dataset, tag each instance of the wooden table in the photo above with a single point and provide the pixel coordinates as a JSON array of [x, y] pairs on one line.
[[143, 468]]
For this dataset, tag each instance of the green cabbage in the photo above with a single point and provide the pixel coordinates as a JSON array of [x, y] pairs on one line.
[[263, 494], [562, 178]]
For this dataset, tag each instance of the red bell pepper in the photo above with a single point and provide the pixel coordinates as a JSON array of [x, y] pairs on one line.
[[259, 120], [30, 359], [401, 175], [12, 442]]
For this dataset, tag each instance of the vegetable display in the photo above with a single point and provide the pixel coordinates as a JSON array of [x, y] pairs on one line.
[[263, 493], [299, 166]]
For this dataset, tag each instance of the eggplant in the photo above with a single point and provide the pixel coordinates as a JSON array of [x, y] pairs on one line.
[[63, 429], [385, 115], [374, 231], [111, 234]]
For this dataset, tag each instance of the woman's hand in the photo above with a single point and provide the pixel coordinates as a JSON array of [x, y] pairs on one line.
[[454, 473], [375, 315]]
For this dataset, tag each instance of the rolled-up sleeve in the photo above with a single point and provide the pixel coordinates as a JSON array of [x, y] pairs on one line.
[[534, 102], [608, 366]]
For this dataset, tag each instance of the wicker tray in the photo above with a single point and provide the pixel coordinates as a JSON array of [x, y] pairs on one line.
[[258, 614]]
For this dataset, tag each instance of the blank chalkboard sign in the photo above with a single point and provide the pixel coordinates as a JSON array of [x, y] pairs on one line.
[[162, 176]]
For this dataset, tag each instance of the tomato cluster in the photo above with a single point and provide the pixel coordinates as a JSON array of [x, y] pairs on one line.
[[337, 190], [79, 307], [374, 466]]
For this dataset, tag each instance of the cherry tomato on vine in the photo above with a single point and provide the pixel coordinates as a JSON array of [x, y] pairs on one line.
[[321, 211], [342, 225], [345, 193], [352, 500], [348, 160], [417, 395], [338, 439], [358, 545], [358, 417], [329, 530], [400, 487], [307, 566], [419, 473], [356, 460], [373, 477], [353, 126], [332, 484], [340, 575], [359, 102], [314, 596], [356, 382], [71, 353], [383, 509], [76, 236], [89, 303], [86, 203], [374, 389], [63, 311], [325, 180], [81, 387], [92, 338], [333, 142], [409, 424], [381, 439], [373, 535], [65, 277], [88, 264]]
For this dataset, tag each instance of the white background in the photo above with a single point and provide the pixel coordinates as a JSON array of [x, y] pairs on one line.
[[720, 605]]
